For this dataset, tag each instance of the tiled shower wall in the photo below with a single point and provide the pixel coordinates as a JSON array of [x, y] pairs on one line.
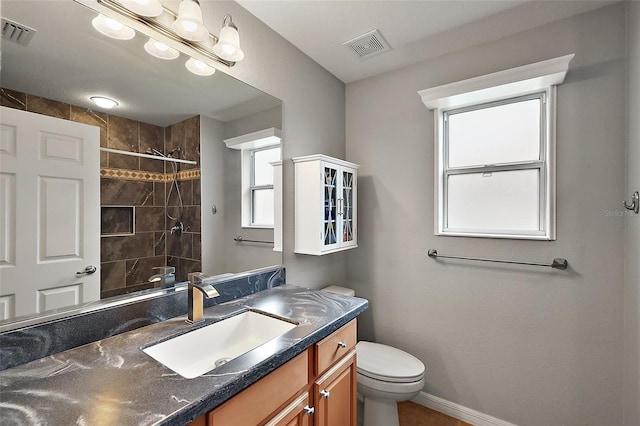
[[128, 261]]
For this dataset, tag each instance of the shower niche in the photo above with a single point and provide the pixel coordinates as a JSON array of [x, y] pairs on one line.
[[117, 221]]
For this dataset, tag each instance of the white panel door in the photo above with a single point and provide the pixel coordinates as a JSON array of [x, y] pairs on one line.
[[49, 213]]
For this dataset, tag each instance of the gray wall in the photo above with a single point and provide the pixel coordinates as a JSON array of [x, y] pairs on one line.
[[530, 346], [213, 192], [246, 256], [632, 271], [313, 119]]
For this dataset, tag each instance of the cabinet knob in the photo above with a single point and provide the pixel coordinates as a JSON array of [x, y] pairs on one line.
[[325, 394], [342, 345], [309, 410]]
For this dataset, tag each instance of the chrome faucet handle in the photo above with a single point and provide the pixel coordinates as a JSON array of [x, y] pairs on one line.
[[164, 270]]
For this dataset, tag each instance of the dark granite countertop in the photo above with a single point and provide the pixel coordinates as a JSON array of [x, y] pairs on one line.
[[112, 382]]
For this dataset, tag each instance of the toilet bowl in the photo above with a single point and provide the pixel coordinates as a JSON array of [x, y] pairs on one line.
[[386, 375]]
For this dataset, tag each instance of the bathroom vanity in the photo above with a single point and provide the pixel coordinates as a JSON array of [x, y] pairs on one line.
[[112, 381], [318, 384]]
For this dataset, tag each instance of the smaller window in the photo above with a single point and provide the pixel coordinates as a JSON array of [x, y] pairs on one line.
[[261, 186]]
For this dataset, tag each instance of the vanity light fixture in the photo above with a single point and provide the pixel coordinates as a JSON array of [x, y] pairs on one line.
[[160, 50], [228, 46], [189, 24], [186, 28], [102, 102], [112, 28], [199, 68], [150, 8]]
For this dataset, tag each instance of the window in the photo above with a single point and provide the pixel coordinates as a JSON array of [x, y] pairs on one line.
[[495, 153], [261, 186], [261, 197]]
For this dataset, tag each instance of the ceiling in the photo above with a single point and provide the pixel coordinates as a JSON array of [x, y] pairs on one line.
[[68, 61], [415, 30]]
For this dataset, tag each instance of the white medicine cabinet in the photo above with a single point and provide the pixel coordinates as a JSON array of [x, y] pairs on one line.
[[325, 204]]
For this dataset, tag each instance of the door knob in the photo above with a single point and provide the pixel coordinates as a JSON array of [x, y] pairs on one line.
[[87, 270]]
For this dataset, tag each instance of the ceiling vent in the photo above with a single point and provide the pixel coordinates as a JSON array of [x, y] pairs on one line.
[[17, 33], [368, 45]]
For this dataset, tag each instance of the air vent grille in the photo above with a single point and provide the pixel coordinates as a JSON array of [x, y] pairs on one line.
[[17, 33], [368, 45]]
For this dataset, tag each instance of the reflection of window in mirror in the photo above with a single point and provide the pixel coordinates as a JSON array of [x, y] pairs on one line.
[[257, 186]]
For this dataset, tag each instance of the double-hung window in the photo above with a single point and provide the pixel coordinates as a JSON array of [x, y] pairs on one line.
[[260, 189], [495, 153]]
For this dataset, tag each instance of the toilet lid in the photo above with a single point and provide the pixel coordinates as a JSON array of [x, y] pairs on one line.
[[388, 364]]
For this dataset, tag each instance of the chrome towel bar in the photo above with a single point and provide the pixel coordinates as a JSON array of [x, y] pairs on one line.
[[239, 239], [557, 263]]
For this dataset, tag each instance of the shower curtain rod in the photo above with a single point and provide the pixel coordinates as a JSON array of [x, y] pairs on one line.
[[153, 157], [557, 263]]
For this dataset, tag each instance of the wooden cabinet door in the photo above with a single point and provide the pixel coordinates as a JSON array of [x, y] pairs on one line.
[[335, 394], [298, 413]]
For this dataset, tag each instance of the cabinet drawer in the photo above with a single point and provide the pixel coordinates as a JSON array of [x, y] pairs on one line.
[[335, 346], [258, 401]]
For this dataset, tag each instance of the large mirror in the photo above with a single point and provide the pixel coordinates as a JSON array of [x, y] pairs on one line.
[[153, 213]]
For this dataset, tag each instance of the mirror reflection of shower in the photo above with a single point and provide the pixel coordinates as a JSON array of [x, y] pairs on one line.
[[179, 227]]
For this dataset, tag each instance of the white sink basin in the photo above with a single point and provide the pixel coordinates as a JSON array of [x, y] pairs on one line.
[[199, 351]]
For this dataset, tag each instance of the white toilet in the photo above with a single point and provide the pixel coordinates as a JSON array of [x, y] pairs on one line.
[[386, 375]]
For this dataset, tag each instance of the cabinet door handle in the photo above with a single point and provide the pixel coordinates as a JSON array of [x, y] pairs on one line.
[[342, 345], [309, 410], [87, 271], [325, 394]]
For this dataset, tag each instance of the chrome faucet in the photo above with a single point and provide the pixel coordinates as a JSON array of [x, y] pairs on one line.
[[196, 289], [165, 276]]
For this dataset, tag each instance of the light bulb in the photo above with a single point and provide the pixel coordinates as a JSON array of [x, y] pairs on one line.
[[112, 28], [228, 46], [151, 8], [188, 24], [160, 50], [199, 68]]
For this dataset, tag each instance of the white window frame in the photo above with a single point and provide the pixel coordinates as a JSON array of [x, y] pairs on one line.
[[247, 143], [248, 186], [538, 79]]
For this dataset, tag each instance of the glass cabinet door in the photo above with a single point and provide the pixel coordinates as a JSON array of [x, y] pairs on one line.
[[330, 183], [347, 213]]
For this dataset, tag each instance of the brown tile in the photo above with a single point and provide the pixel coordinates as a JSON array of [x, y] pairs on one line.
[[159, 193], [176, 139], [196, 192], [48, 107], [150, 219], [191, 218], [112, 275], [125, 192], [139, 270], [183, 267], [123, 135], [13, 99], [412, 414], [151, 137], [192, 141], [180, 245], [186, 190], [159, 244], [183, 187], [128, 247], [125, 290], [197, 246], [116, 220], [99, 119]]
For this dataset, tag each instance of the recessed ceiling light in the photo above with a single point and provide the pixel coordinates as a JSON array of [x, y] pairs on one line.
[[112, 28], [103, 102]]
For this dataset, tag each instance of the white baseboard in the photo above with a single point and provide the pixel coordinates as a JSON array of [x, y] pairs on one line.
[[457, 411]]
